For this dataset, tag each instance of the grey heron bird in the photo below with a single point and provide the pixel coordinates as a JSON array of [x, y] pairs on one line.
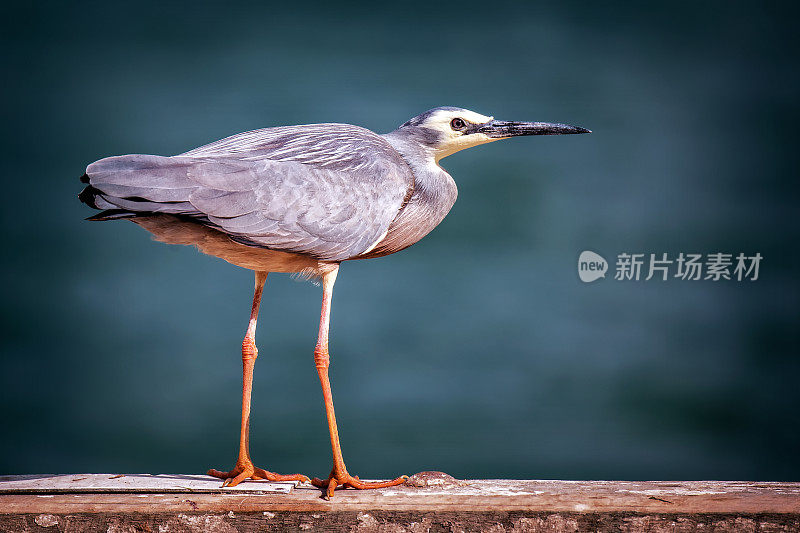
[[299, 199]]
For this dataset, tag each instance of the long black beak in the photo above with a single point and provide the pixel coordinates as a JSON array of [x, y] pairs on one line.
[[499, 129]]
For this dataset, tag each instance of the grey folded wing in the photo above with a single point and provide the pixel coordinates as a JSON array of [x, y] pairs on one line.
[[328, 190]]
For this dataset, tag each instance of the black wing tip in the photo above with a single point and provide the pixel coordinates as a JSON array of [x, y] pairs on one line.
[[111, 214], [85, 178], [87, 196]]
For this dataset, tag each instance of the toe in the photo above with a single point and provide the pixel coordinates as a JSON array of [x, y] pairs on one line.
[[331, 487], [358, 484], [260, 473], [219, 474], [232, 482]]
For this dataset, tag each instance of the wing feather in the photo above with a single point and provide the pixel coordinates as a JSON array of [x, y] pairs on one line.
[[326, 190]]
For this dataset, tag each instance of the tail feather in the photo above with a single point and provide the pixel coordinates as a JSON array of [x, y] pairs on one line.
[[143, 184], [112, 214], [89, 194]]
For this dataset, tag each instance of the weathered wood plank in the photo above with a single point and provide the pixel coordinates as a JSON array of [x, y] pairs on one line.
[[478, 505], [159, 483]]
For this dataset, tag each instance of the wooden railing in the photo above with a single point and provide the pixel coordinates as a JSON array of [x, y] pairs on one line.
[[108, 502]]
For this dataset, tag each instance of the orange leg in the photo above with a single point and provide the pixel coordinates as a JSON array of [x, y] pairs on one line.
[[244, 468], [339, 474]]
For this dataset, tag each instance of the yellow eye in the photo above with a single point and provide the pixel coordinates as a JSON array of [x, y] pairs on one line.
[[458, 124]]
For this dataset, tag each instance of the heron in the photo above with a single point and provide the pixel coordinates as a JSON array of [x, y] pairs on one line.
[[302, 200]]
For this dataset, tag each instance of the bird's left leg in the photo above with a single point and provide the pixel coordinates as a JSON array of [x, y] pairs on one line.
[[244, 468], [339, 474]]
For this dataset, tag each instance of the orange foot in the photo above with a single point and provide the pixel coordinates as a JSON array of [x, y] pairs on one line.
[[246, 470], [346, 480]]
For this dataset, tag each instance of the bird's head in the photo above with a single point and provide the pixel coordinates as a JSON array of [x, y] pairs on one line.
[[447, 130]]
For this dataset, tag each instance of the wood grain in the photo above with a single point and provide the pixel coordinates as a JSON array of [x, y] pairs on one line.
[[100, 502]]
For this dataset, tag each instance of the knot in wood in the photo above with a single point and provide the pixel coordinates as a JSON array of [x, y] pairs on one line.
[[433, 479]]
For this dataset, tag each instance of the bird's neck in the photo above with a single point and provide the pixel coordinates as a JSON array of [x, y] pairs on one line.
[[433, 195], [431, 180]]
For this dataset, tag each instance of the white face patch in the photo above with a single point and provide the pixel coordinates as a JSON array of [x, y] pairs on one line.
[[453, 140]]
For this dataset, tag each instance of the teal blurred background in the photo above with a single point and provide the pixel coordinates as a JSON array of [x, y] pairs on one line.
[[477, 351]]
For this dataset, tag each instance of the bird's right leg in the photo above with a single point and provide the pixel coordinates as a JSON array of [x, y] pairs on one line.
[[244, 468], [339, 475]]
